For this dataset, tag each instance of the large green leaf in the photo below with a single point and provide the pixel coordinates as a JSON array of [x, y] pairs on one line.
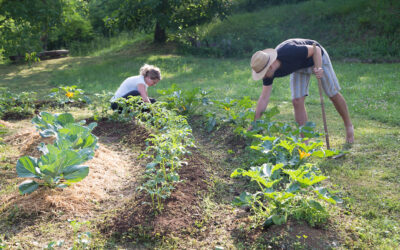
[[70, 158], [63, 144], [86, 154], [28, 186], [237, 172], [293, 187], [91, 126], [269, 170], [26, 167], [79, 136], [244, 199], [45, 121], [47, 117], [64, 119], [48, 132], [279, 219], [75, 173], [324, 194], [57, 160], [305, 175], [316, 205]]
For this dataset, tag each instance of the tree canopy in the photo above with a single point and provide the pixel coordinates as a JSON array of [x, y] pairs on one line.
[[162, 15], [35, 25]]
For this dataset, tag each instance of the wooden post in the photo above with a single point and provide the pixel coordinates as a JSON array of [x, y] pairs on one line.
[[321, 98]]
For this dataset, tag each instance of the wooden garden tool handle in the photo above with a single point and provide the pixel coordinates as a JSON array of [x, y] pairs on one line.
[[321, 98]]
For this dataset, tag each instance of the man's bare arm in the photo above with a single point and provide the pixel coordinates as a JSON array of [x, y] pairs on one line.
[[263, 101]]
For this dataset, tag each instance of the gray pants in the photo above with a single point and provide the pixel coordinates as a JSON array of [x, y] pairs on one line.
[[299, 80]]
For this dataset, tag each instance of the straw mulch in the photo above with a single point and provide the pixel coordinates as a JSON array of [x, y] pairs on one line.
[[111, 176]]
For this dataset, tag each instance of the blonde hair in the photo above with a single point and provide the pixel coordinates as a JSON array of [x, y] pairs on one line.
[[151, 71]]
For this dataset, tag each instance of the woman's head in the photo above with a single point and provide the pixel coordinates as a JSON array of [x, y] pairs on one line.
[[151, 72]]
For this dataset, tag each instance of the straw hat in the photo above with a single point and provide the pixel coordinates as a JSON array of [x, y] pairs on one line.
[[261, 61]]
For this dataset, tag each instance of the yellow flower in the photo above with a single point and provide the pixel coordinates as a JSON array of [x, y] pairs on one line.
[[227, 108], [69, 94], [303, 154], [184, 108]]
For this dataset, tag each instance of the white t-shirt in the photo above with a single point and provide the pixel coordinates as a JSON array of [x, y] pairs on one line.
[[130, 84]]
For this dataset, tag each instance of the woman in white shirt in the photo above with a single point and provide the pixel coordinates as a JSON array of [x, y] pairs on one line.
[[149, 75]]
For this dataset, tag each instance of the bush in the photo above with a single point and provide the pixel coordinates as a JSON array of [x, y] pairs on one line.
[[76, 29]]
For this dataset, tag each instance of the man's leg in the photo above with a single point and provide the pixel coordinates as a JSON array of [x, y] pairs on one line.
[[299, 87], [331, 87], [341, 107], [300, 113]]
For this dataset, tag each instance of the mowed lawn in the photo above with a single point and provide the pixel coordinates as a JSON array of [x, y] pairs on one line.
[[368, 177]]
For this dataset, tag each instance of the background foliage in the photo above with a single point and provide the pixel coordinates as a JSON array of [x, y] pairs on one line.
[[365, 30]]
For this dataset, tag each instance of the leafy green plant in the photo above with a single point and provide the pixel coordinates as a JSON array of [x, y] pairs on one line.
[[237, 112], [128, 108], [81, 240], [185, 102], [159, 185], [60, 164], [57, 168], [49, 124], [79, 138], [16, 106], [279, 193], [309, 210], [69, 94], [284, 177], [211, 121], [100, 105], [167, 145], [31, 58]]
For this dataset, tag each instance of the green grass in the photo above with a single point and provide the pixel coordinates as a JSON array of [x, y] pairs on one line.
[[363, 29], [232, 77], [368, 175]]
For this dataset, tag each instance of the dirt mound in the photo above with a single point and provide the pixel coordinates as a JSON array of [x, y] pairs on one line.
[[130, 133], [182, 209], [107, 170], [27, 141], [111, 173], [180, 212]]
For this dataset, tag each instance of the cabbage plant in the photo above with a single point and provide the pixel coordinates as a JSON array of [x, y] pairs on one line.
[[49, 124], [60, 164], [57, 168]]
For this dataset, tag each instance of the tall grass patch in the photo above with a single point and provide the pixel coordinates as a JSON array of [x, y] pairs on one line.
[[365, 29]]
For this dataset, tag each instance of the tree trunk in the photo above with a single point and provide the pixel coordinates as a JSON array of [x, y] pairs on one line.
[[44, 39], [160, 35]]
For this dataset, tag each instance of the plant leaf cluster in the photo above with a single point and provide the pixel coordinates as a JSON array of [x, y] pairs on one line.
[[60, 163], [170, 140], [287, 183], [16, 105], [69, 94], [184, 102], [237, 112], [166, 149]]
